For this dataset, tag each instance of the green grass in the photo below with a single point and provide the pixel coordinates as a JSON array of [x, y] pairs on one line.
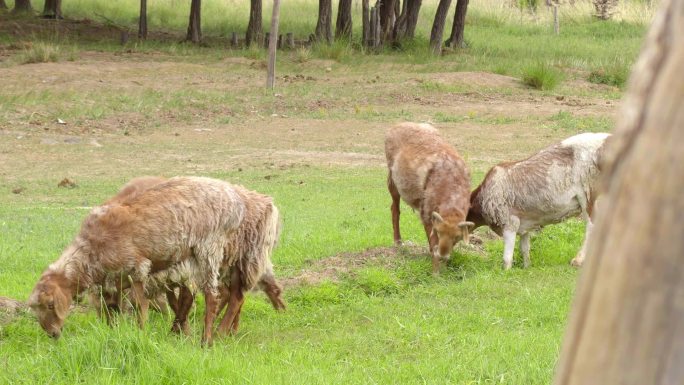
[[473, 324], [542, 76], [613, 75]]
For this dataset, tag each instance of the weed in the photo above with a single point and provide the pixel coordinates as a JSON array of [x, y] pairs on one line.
[[40, 52], [613, 75], [542, 76]]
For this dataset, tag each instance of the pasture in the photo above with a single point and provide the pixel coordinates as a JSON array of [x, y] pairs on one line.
[[359, 309]]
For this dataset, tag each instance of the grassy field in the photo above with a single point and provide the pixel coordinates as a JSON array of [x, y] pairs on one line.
[[359, 310]]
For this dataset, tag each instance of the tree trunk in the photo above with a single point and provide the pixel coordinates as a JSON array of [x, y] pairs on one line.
[[195, 25], [365, 16], [407, 21], [275, 21], [22, 6], [324, 25], [343, 27], [626, 325], [605, 8], [387, 19], [142, 21], [3, 5], [456, 38], [438, 26], [52, 9], [254, 29]]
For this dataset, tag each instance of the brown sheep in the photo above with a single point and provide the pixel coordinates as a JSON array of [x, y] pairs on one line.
[[246, 264], [433, 179], [185, 217]]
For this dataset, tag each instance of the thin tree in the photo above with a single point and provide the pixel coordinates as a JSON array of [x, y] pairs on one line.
[[627, 322], [195, 25], [343, 26], [405, 27], [255, 30], [438, 26], [456, 38], [52, 9], [142, 21], [22, 6], [324, 25]]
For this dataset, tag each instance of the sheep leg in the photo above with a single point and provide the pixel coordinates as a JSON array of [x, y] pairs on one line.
[[579, 258], [394, 192], [525, 249], [184, 304], [237, 298], [587, 208], [141, 302], [273, 290], [172, 300], [432, 246], [509, 246], [210, 302]]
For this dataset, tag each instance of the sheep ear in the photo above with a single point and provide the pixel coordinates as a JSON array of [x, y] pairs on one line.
[[465, 230], [436, 218], [61, 305]]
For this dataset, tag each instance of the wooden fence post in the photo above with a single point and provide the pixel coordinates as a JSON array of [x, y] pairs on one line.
[[627, 321], [273, 42]]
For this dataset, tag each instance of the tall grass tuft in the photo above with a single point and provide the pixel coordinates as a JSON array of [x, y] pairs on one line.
[[40, 53], [612, 75], [542, 76], [338, 51]]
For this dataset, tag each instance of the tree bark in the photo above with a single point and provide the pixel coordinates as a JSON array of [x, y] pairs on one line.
[[3, 5], [275, 21], [456, 38], [438, 26], [387, 19], [405, 26], [627, 322], [52, 9], [22, 6], [195, 24], [605, 8], [324, 25], [254, 29], [365, 22], [142, 21], [343, 26]]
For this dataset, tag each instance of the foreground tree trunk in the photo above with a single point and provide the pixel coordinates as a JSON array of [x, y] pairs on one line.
[[142, 21], [438, 26], [456, 38], [52, 9], [22, 6], [626, 325], [194, 25], [324, 25], [254, 29], [343, 26]]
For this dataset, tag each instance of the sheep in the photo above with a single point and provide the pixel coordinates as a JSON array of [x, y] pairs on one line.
[[246, 264], [107, 298], [556, 183], [184, 217], [431, 177]]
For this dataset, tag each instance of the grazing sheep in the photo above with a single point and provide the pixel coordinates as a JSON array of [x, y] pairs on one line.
[[556, 183], [107, 298], [184, 217], [246, 264], [432, 178]]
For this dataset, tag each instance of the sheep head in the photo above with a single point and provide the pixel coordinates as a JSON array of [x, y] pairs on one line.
[[50, 301], [449, 231]]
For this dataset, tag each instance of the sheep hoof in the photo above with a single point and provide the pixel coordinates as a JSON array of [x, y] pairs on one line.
[[576, 262]]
